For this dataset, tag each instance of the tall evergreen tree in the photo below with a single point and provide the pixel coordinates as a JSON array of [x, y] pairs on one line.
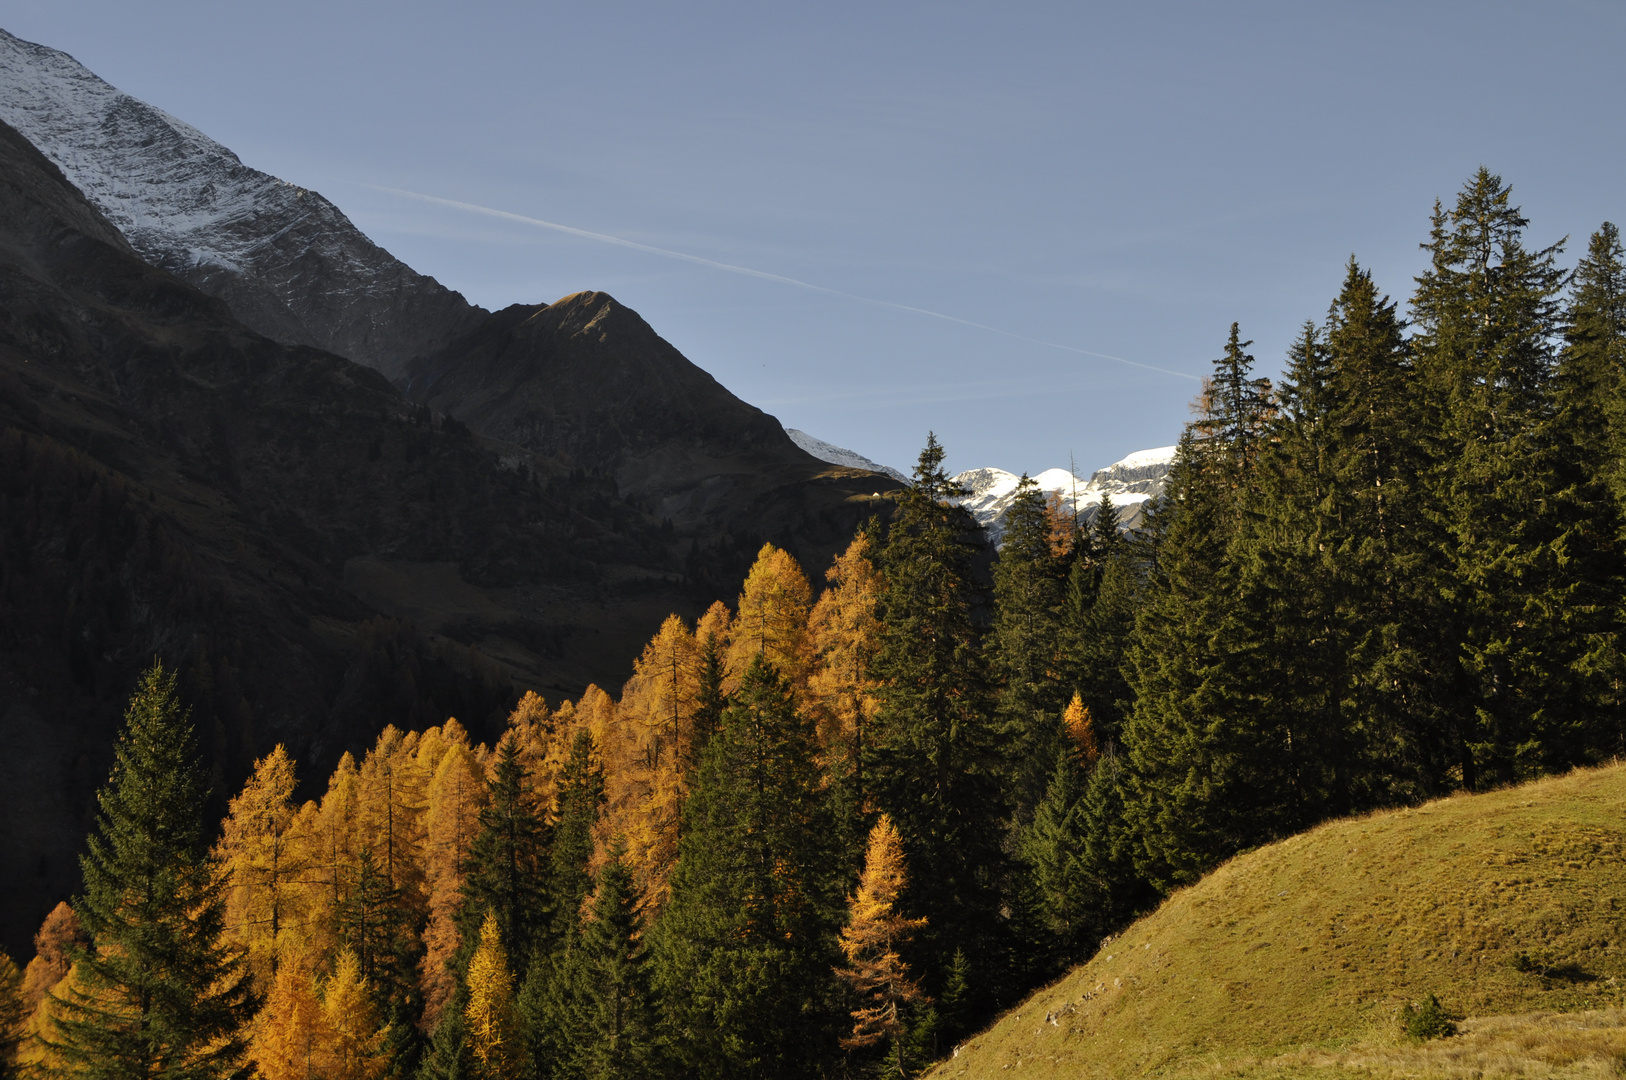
[[606, 1015], [506, 874], [1379, 552], [936, 755], [1592, 426], [159, 993], [1285, 554], [1023, 645], [1593, 363], [581, 794], [710, 701], [376, 928], [1534, 623], [745, 949], [1052, 849], [1203, 765], [1103, 591]]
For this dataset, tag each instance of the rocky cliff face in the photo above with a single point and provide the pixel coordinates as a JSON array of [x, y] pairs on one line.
[[284, 259]]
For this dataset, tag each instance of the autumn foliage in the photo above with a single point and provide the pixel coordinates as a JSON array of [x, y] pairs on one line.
[[875, 930]]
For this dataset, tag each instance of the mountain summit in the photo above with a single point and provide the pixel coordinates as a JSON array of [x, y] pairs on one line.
[[284, 259]]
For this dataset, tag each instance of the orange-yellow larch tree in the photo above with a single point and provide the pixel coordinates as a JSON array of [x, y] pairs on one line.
[[535, 730], [1061, 524], [290, 1039], [772, 618], [336, 844], [456, 795], [875, 929], [656, 712], [845, 633], [390, 789], [489, 1014], [1081, 731], [264, 866], [355, 1036], [54, 944]]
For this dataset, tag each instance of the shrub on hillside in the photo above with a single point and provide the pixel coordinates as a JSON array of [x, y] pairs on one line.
[[1427, 1020]]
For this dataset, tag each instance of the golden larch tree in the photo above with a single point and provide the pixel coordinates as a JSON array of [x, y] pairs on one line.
[[456, 796], [489, 1014], [1061, 524], [534, 728], [337, 844], [391, 790], [844, 630], [715, 624], [772, 618], [290, 1040], [656, 712], [874, 931], [54, 943], [263, 865], [1081, 731], [355, 1036]]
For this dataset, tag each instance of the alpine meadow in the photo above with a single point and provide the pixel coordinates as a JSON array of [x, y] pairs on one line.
[[841, 822]]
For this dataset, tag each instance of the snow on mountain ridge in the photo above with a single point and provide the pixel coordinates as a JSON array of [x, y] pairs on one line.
[[1132, 482], [837, 455], [285, 259]]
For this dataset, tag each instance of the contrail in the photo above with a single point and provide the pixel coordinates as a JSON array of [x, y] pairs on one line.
[[764, 275]]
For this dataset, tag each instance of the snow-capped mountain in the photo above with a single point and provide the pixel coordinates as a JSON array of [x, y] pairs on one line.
[[1131, 482], [285, 260], [837, 455]]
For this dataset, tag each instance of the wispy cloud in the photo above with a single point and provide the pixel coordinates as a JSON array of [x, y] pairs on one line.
[[764, 275]]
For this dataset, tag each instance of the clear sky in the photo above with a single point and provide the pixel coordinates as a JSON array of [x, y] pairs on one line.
[[1121, 179]]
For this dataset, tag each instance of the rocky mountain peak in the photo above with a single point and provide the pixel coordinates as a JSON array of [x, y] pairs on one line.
[[284, 259]]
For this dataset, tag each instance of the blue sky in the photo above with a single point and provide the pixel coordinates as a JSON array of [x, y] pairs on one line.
[[1120, 179]]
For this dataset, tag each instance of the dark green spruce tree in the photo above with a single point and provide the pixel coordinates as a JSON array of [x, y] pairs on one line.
[[581, 795], [1286, 554], [1535, 619], [936, 764], [1051, 851], [708, 706], [159, 992], [606, 1019], [1379, 553], [1098, 616], [1024, 645], [1593, 361], [744, 953], [1203, 765], [507, 868], [1592, 422]]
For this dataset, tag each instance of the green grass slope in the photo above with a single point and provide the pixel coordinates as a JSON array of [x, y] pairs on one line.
[[1296, 959]]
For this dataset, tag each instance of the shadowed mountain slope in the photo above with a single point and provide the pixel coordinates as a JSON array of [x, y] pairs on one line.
[[588, 382], [315, 554]]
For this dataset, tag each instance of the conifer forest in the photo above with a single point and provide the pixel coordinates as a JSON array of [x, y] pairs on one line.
[[838, 823]]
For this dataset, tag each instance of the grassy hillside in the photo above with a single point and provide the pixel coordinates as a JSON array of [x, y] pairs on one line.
[[1296, 959]]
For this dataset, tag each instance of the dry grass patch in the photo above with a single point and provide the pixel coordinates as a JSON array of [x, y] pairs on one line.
[[1537, 1046]]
